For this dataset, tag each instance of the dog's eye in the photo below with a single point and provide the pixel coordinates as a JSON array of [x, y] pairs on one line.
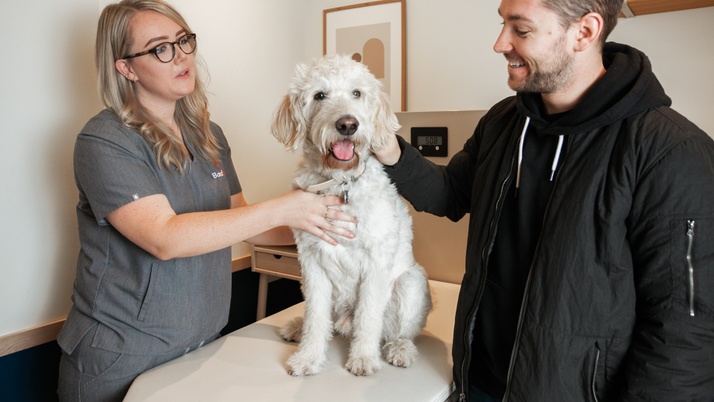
[[356, 93], [320, 96]]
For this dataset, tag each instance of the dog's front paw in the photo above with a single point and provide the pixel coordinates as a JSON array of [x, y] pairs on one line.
[[400, 352], [363, 365], [292, 331], [300, 365]]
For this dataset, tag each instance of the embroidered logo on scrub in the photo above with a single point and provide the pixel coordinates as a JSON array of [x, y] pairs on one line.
[[220, 173]]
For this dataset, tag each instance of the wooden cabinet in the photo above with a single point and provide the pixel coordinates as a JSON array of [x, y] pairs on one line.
[[273, 262], [633, 8], [278, 261]]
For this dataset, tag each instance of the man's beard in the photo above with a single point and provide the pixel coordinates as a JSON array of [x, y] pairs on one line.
[[554, 78]]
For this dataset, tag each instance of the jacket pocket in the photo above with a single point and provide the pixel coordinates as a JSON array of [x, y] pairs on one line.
[[693, 265], [598, 373], [690, 265], [605, 369]]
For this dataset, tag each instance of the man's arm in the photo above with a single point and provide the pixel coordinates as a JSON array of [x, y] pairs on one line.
[[671, 357]]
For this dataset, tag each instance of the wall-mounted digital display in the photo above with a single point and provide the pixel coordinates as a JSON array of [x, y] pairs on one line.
[[430, 141]]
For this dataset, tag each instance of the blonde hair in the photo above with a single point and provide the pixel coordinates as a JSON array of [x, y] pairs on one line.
[[117, 92]]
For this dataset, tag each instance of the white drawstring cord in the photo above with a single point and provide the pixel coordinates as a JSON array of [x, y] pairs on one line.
[[520, 152], [556, 157]]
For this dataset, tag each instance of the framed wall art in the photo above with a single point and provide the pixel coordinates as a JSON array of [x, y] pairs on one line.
[[373, 33]]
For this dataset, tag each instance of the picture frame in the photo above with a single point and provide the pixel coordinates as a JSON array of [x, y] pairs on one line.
[[373, 33]]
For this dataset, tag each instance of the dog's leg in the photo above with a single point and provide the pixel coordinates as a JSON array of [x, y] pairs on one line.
[[343, 320], [374, 293], [292, 331], [406, 316], [317, 324]]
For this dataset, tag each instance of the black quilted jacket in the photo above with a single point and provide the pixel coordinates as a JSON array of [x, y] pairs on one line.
[[619, 300]]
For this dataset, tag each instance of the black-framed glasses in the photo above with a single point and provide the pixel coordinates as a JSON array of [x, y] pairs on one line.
[[166, 51]]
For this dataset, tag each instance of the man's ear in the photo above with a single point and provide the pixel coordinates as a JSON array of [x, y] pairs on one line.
[[589, 28], [125, 69]]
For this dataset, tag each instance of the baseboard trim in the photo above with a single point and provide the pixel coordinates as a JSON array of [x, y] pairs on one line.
[[29, 338], [42, 334]]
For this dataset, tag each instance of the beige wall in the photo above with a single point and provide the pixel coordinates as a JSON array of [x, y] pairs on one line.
[[440, 244]]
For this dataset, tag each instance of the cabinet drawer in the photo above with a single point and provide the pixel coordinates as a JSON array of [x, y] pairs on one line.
[[277, 261]]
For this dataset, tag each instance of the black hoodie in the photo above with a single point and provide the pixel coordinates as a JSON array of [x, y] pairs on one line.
[[577, 288]]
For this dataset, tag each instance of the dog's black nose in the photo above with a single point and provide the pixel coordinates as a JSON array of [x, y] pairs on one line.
[[347, 125]]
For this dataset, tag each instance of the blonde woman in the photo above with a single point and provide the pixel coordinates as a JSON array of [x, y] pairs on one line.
[[160, 205]]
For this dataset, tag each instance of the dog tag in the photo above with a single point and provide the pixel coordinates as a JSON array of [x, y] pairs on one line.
[[346, 192]]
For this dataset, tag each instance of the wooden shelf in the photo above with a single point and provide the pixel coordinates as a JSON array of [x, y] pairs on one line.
[[633, 8]]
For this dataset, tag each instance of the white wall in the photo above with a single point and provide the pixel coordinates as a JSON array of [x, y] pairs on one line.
[[47, 92], [680, 47]]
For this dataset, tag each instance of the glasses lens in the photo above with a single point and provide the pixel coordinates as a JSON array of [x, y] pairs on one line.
[[188, 43], [165, 52]]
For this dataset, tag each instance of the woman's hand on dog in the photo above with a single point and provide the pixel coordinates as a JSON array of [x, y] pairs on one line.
[[314, 214]]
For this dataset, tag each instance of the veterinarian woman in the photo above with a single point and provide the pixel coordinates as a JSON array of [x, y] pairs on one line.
[[590, 258], [159, 207]]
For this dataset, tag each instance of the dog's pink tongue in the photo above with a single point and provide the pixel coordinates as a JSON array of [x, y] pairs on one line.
[[343, 150]]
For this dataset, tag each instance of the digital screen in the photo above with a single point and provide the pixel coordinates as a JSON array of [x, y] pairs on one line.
[[429, 140]]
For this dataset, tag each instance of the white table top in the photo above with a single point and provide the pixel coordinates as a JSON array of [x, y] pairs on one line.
[[250, 365]]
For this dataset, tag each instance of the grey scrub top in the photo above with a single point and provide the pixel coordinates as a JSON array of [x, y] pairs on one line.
[[131, 301]]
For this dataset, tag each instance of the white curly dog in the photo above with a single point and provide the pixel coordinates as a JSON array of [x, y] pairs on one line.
[[368, 289]]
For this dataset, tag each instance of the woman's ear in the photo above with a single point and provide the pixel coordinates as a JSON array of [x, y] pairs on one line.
[[125, 69], [589, 28]]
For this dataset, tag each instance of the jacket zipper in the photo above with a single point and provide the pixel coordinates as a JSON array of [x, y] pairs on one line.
[[597, 360], [519, 327], [468, 336], [519, 330], [690, 236]]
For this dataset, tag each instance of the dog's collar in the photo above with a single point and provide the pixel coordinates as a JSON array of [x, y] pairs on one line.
[[319, 187]]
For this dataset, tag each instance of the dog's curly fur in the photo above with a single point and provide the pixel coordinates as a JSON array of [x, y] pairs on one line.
[[368, 289]]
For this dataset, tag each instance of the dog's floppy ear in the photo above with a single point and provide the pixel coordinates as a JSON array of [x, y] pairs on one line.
[[385, 122], [286, 125]]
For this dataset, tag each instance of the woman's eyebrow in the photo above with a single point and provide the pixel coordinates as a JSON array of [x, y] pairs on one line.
[[158, 38]]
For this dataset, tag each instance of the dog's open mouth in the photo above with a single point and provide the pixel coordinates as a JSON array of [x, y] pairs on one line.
[[343, 150]]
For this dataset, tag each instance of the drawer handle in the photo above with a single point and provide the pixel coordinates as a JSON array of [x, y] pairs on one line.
[[277, 256]]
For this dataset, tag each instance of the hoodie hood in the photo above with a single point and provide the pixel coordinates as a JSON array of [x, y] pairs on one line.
[[628, 87]]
